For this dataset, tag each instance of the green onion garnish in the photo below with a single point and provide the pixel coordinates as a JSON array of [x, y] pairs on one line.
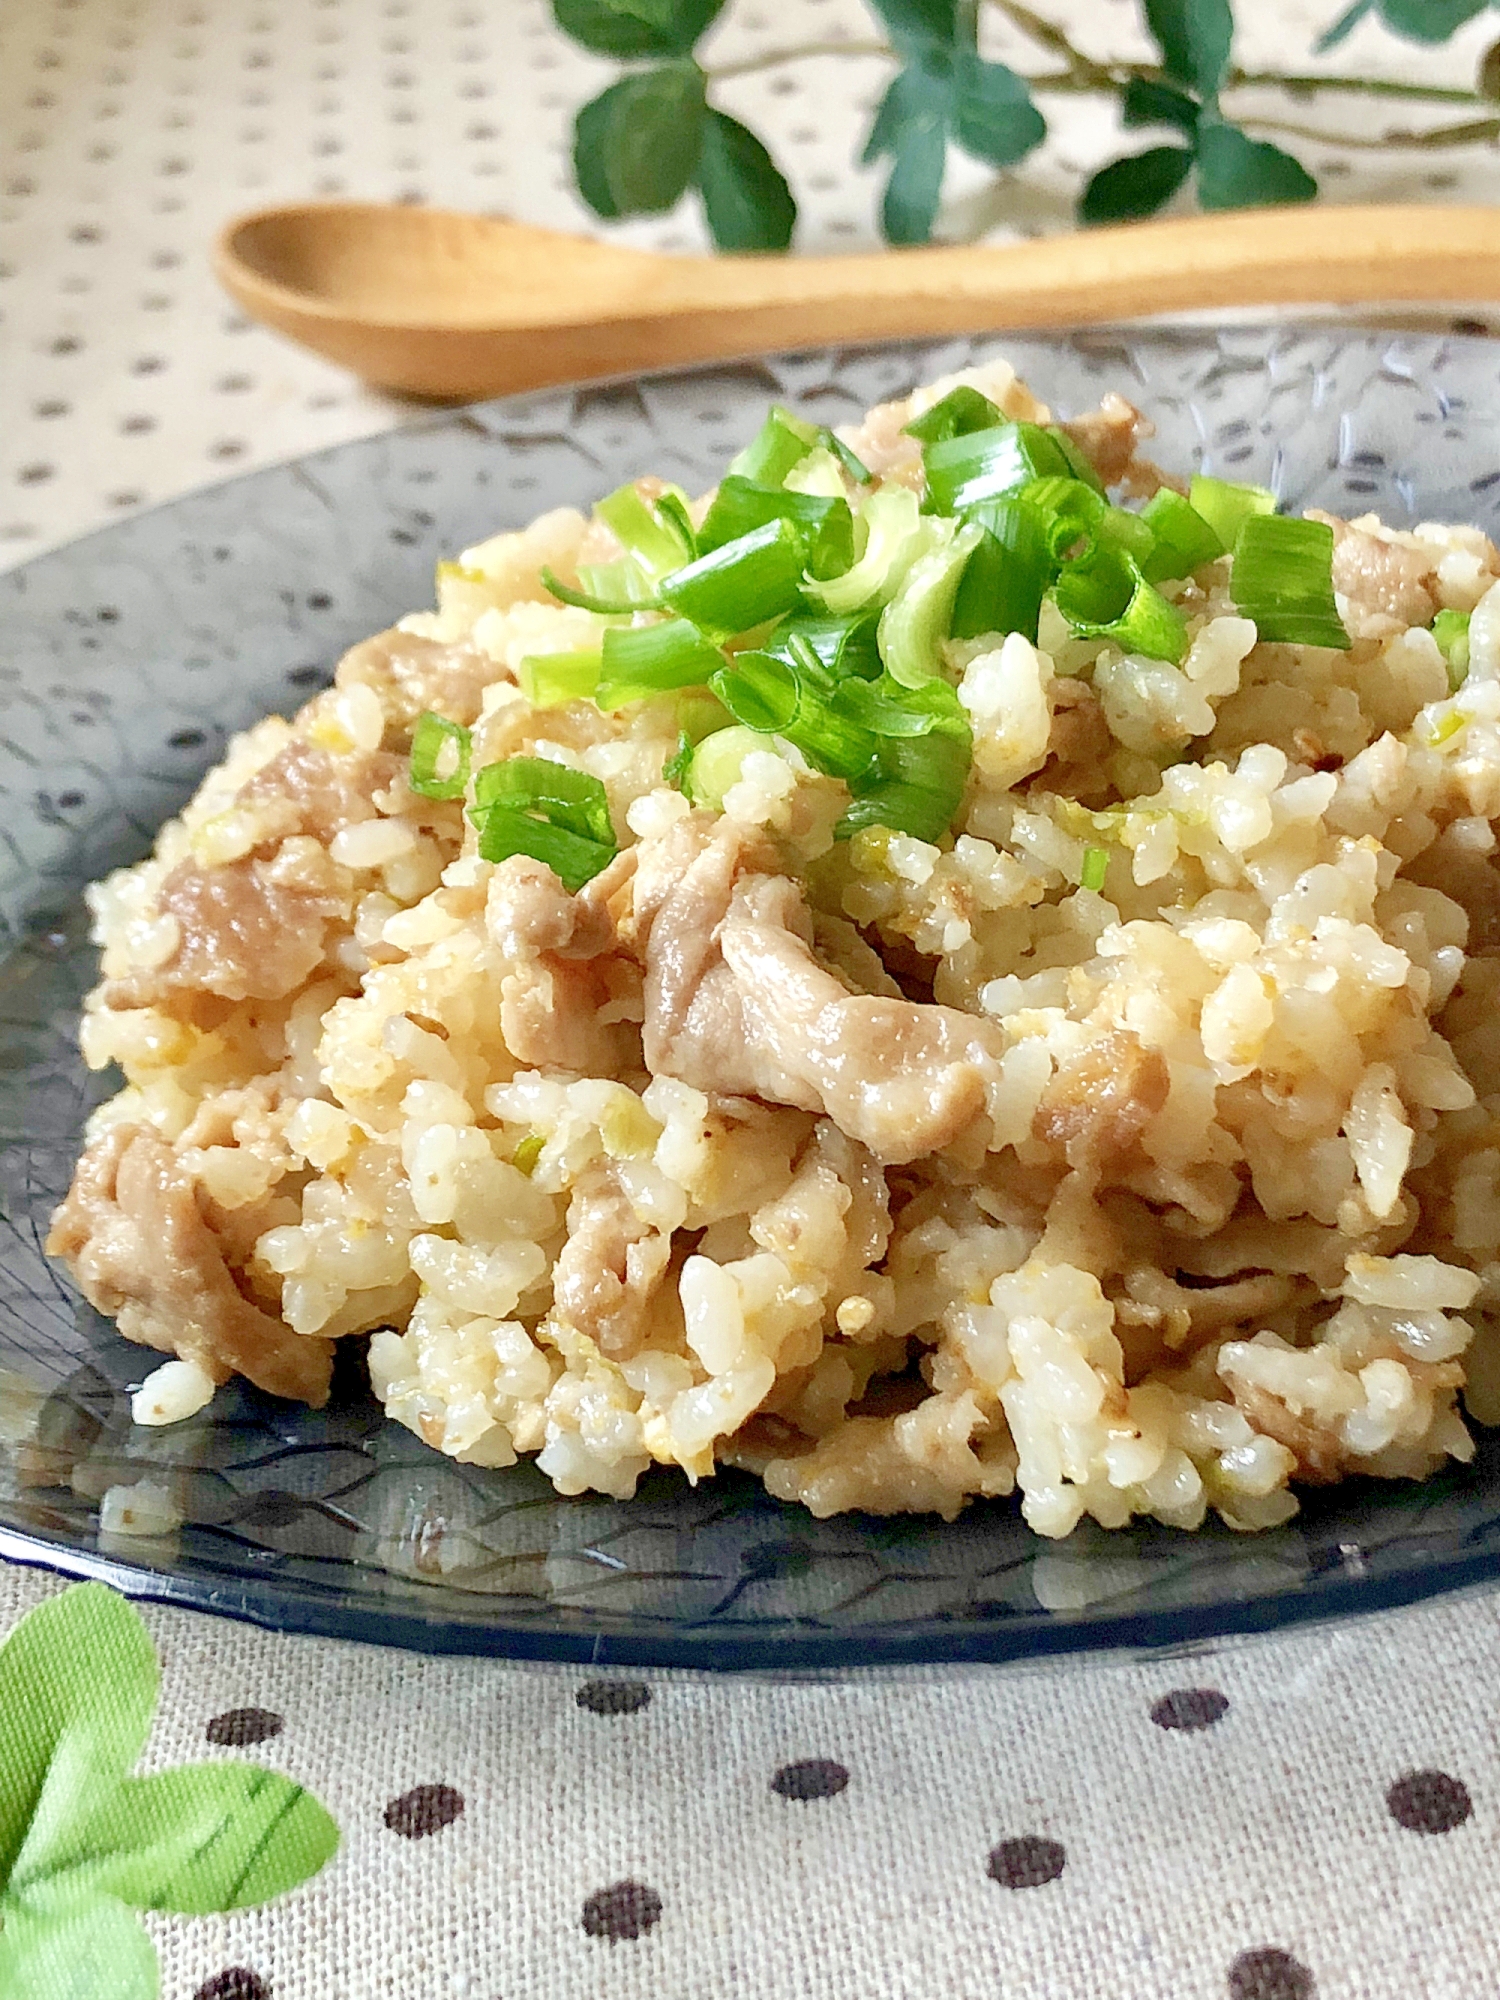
[[1227, 506], [589, 600], [559, 816], [845, 646], [1451, 630], [1283, 579], [527, 1153], [1184, 539], [796, 701], [755, 577], [825, 524], [758, 691], [1095, 868], [550, 678], [920, 616], [1080, 464], [639, 661], [917, 788], [958, 413], [854, 466], [984, 465], [718, 762], [780, 443], [1108, 598], [439, 758], [675, 770], [895, 535], [1008, 574], [657, 535], [892, 710]]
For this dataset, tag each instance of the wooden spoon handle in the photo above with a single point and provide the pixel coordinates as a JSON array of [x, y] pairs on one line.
[[1277, 256]]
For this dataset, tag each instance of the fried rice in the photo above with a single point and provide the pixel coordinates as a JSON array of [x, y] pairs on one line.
[[1133, 1145]]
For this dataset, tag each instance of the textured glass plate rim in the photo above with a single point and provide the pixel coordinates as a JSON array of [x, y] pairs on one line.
[[294, 1606]]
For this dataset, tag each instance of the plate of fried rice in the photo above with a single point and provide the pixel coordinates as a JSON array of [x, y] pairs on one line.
[[868, 1033]]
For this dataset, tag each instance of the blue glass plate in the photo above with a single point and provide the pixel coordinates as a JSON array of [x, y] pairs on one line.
[[128, 658]]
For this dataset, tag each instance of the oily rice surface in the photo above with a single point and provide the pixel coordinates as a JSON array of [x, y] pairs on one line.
[[898, 1172]]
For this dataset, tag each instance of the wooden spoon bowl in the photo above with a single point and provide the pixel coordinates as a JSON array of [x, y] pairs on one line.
[[437, 304]]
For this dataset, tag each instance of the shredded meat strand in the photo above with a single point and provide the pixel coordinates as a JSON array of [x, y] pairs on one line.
[[413, 675], [137, 1240], [1385, 586], [1099, 1103], [608, 1271]]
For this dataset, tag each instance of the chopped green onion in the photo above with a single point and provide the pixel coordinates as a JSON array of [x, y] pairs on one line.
[[527, 1153], [1451, 630], [1095, 868], [1108, 598], [1227, 506], [559, 816], [984, 465], [671, 505], [649, 535], [1448, 726], [718, 762], [642, 660], [1184, 540], [439, 757], [755, 577], [825, 525], [856, 468], [958, 413], [777, 446], [917, 788], [1007, 576], [1282, 579], [794, 699], [920, 616], [1080, 464], [895, 535], [620, 584], [550, 678], [892, 710], [758, 691], [1079, 518], [675, 770], [845, 646], [588, 600]]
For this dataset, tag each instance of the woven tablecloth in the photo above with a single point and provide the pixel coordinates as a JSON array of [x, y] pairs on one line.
[[1268, 1820]]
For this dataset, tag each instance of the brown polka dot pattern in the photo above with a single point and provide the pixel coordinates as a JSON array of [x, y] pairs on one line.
[[623, 1910], [1429, 1802], [1269, 1974], [235, 1982], [238, 1727], [614, 1697], [1190, 1709], [423, 1810], [1027, 1861], [813, 1778]]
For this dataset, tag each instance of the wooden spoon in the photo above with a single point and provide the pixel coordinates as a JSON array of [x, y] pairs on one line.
[[445, 305]]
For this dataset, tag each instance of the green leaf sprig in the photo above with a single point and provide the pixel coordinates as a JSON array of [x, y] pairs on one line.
[[655, 134], [83, 1844]]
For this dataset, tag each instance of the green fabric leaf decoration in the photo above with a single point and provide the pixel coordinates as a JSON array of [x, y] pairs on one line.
[[1344, 25], [993, 115], [912, 126], [747, 202], [78, 1682], [1194, 38], [89, 1948], [635, 27], [1137, 185], [1146, 102], [636, 146], [206, 1837], [1429, 20], [1235, 171]]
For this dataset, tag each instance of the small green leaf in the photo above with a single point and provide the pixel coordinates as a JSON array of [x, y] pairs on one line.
[[994, 117], [1429, 20], [918, 26], [1137, 185], [748, 204], [1146, 102], [635, 27], [74, 1948], [1235, 171], [206, 1837], [912, 126], [1194, 38], [78, 1682], [1344, 25], [636, 145]]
